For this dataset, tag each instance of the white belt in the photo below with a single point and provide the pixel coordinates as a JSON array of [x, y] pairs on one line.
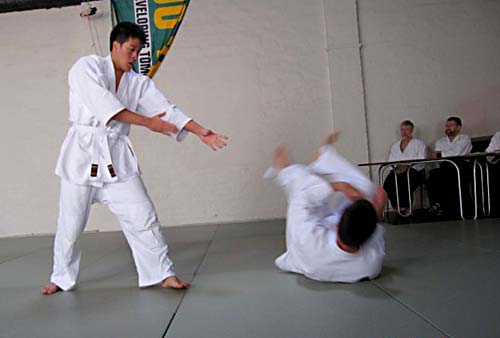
[[100, 146]]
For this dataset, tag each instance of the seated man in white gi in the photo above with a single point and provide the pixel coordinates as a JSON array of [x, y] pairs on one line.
[[494, 163], [339, 242], [408, 148], [494, 146], [97, 164], [442, 184]]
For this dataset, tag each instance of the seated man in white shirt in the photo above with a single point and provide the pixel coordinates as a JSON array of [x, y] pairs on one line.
[[408, 148], [494, 146], [442, 185], [339, 242], [494, 171]]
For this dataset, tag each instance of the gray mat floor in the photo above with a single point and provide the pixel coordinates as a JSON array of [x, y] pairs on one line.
[[439, 280]]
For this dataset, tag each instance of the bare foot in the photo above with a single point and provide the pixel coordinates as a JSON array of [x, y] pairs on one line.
[[331, 138], [49, 289], [281, 159], [174, 283]]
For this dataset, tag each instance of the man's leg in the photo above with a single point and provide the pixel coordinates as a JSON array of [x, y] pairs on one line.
[[449, 195], [494, 172], [415, 181], [132, 206], [390, 188], [403, 189], [435, 185], [302, 186], [305, 193], [337, 169], [74, 207], [466, 185]]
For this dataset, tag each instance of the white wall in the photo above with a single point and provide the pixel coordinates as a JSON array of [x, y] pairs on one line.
[[253, 70], [263, 72], [427, 60], [346, 78], [38, 49]]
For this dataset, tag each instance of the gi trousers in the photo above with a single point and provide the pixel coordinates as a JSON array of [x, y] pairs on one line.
[[130, 203]]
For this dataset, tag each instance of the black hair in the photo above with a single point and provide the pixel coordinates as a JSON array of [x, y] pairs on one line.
[[455, 119], [357, 223], [124, 31], [407, 123]]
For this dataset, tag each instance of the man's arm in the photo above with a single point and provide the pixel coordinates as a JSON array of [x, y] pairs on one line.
[[422, 151], [494, 145], [438, 149], [348, 190], [152, 100], [467, 146], [154, 123], [213, 140], [87, 81], [378, 200]]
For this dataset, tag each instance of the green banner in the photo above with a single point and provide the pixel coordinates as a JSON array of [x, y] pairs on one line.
[[160, 20]]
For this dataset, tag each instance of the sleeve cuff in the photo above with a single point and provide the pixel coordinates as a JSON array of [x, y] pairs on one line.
[[178, 119], [182, 133]]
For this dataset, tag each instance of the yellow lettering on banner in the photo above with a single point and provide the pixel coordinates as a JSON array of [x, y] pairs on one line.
[[161, 12], [167, 1]]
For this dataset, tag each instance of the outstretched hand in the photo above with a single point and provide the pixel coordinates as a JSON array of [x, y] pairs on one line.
[[157, 124], [213, 140]]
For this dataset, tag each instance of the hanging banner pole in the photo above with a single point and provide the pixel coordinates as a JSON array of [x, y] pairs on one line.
[[160, 20]]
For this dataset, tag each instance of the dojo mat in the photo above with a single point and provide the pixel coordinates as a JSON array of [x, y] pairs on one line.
[[439, 280]]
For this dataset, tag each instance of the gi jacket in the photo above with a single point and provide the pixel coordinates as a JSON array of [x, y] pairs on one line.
[[97, 149]]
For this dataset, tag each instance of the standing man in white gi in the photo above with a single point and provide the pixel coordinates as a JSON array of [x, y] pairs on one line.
[[442, 182], [408, 148], [339, 242], [98, 165]]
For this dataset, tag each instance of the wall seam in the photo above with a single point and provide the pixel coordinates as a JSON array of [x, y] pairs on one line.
[[363, 86], [328, 68]]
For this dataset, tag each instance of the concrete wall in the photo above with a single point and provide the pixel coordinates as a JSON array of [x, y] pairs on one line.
[[263, 72], [426, 60], [252, 70], [39, 47]]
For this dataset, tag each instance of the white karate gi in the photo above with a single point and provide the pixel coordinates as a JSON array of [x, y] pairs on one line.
[[461, 145], [494, 143], [311, 229], [415, 150], [97, 164]]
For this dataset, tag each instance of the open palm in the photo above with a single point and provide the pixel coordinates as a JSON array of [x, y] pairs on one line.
[[213, 140]]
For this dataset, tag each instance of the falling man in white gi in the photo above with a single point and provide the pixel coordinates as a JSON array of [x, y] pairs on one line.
[[98, 165], [325, 241]]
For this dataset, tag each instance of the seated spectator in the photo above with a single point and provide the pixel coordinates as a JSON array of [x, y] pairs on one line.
[[494, 147], [442, 185], [408, 148]]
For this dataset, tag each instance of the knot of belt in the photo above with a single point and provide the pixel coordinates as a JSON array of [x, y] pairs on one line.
[[100, 146]]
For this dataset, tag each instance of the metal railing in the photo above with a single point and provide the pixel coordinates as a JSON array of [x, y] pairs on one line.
[[384, 166]]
